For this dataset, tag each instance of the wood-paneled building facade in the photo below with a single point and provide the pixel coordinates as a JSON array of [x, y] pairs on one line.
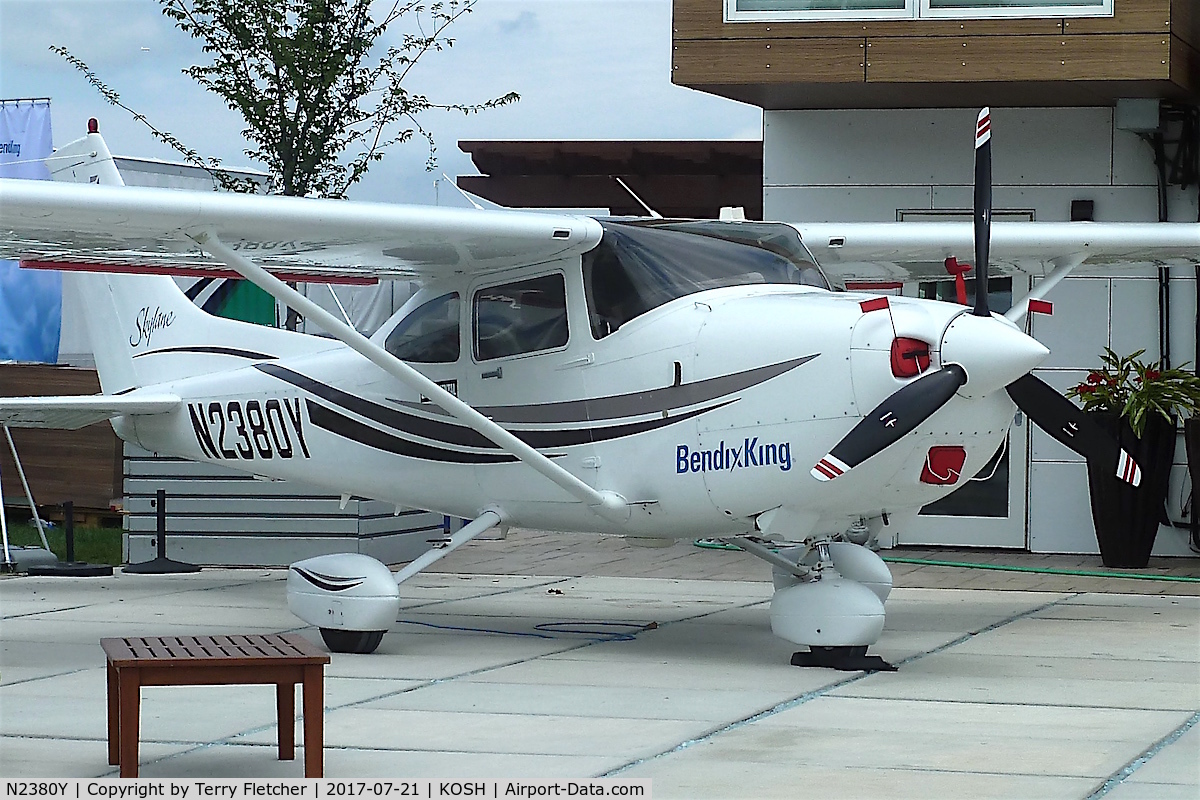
[[1147, 48]]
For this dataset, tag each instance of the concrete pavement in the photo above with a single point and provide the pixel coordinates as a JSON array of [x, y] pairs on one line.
[[1069, 693]]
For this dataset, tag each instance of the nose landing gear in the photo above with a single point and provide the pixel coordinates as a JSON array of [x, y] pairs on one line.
[[829, 597]]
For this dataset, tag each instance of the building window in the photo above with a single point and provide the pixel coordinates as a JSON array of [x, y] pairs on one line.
[[812, 10], [815, 10], [1015, 8]]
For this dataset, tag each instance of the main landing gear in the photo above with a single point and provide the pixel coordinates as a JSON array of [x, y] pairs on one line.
[[829, 597]]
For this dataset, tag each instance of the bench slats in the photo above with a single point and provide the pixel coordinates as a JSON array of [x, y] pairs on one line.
[[233, 650], [283, 659]]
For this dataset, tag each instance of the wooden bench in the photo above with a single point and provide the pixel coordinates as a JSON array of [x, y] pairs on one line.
[[282, 659]]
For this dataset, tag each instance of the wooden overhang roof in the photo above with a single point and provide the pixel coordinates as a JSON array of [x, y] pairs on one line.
[[677, 178]]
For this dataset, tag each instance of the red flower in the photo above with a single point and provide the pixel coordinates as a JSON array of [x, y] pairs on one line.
[[1094, 378], [1083, 388], [1153, 374]]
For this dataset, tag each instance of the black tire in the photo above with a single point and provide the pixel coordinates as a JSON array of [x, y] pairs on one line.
[[362, 642], [853, 651]]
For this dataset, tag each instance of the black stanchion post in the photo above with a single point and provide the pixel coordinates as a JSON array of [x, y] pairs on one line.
[[161, 565], [161, 514], [69, 528], [71, 567]]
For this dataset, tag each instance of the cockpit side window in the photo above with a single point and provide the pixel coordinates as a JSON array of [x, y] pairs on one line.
[[430, 334], [521, 317]]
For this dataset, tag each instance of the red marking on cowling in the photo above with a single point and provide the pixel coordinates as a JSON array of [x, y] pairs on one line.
[[943, 465]]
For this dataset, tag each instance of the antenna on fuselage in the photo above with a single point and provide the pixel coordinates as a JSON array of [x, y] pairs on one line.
[[654, 214], [463, 192]]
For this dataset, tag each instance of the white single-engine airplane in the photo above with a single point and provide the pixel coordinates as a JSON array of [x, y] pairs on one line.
[[651, 377]]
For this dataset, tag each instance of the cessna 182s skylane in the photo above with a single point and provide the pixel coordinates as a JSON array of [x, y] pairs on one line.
[[652, 378]]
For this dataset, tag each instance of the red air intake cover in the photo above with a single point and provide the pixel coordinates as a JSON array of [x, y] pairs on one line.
[[943, 465], [910, 357]]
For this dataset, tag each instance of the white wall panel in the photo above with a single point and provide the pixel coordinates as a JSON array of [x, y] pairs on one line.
[[1078, 330], [1172, 542], [1181, 204], [1031, 146], [1134, 309], [1053, 203], [1052, 146], [1132, 160], [1060, 513], [841, 203], [863, 146], [1183, 319]]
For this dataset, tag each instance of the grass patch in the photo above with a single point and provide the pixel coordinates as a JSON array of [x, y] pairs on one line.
[[92, 544]]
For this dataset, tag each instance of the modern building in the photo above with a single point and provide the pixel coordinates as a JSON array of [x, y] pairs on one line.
[[868, 114]]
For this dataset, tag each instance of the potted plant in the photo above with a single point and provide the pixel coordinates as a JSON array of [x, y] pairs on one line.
[[1138, 404]]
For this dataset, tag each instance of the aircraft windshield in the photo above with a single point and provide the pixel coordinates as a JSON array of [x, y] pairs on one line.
[[640, 266]]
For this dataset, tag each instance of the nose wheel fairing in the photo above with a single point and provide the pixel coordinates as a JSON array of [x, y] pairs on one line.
[[829, 596]]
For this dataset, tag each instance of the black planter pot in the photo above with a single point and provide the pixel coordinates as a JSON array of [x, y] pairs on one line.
[[1191, 438], [1126, 518]]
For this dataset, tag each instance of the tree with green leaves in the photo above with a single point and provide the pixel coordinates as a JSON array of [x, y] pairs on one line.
[[321, 92]]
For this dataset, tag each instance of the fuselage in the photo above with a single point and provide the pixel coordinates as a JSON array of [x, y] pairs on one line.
[[703, 411]]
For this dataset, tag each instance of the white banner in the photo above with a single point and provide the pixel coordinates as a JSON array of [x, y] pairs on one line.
[[30, 300]]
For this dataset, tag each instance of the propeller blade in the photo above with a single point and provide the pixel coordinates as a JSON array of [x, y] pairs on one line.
[[892, 419], [983, 209], [1067, 423]]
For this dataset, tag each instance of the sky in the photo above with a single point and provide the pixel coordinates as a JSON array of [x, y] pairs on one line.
[[585, 69]]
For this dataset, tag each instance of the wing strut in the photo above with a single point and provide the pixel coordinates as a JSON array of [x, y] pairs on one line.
[[609, 505], [1062, 268], [488, 519]]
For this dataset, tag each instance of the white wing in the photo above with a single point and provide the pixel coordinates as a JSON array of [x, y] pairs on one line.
[[76, 411], [902, 250], [133, 228]]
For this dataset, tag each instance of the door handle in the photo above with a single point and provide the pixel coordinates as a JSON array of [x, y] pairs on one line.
[[498, 372]]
